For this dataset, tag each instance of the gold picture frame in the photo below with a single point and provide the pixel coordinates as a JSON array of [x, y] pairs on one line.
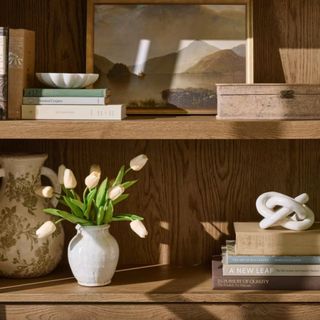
[[173, 100]]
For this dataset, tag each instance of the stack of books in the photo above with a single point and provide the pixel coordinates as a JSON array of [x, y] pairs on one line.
[[272, 259], [70, 104]]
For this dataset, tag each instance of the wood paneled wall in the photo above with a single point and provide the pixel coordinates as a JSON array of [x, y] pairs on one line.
[[191, 191]]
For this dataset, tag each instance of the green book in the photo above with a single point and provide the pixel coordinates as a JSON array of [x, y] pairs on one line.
[[48, 92]]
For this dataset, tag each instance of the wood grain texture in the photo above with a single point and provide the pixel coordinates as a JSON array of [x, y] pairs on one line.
[[60, 31], [191, 191], [161, 312], [149, 284], [286, 41], [160, 128]]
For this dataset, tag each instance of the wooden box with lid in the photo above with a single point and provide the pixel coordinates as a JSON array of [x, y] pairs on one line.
[[268, 101]]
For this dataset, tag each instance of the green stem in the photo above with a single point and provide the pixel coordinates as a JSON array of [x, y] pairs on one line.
[[84, 193], [58, 221], [127, 171]]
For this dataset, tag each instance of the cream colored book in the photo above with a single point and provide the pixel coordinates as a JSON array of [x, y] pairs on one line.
[[251, 240], [73, 112]]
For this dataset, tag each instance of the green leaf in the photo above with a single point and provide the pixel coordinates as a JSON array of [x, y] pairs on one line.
[[75, 195], [89, 201], [128, 184], [100, 216], [74, 208], [78, 203], [101, 195], [126, 217], [67, 216], [109, 213], [120, 198], [119, 177]]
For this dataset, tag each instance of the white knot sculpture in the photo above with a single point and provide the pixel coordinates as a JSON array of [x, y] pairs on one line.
[[293, 214]]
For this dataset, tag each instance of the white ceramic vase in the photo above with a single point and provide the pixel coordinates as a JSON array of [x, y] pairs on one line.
[[22, 254], [93, 255]]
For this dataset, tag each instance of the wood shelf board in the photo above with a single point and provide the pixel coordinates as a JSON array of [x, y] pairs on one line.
[[169, 127], [154, 284]]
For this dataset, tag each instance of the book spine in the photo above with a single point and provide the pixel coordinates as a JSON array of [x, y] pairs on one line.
[[39, 92], [21, 60], [73, 112], [270, 270], [230, 259], [221, 282], [65, 100], [3, 72]]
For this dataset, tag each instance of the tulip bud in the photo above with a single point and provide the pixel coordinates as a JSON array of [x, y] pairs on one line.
[[45, 192], [137, 163], [61, 169], [92, 179], [138, 227], [69, 179], [95, 168], [46, 229], [116, 192]]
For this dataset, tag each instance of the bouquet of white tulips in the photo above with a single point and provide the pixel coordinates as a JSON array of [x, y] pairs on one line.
[[96, 206]]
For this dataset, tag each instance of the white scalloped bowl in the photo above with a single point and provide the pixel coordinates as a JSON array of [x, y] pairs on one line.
[[67, 80]]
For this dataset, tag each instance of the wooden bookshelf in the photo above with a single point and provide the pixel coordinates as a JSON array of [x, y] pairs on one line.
[[169, 128], [149, 284], [195, 188]]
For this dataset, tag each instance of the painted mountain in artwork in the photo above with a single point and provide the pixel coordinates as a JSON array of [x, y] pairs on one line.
[[119, 29], [240, 50], [179, 62], [102, 64], [220, 62]]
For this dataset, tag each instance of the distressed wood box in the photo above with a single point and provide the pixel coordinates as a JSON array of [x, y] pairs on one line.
[[268, 101]]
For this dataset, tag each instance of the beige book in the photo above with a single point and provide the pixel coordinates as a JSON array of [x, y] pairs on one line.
[[251, 240], [20, 68]]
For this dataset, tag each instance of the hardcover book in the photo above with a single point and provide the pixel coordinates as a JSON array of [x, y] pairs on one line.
[[3, 72], [67, 100], [251, 240], [21, 60], [271, 270], [73, 112], [229, 257], [49, 92], [263, 282]]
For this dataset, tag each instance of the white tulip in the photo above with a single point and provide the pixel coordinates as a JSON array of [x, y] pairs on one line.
[[46, 229], [137, 163], [69, 180], [92, 179], [138, 227], [95, 168], [45, 192], [61, 170], [116, 192]]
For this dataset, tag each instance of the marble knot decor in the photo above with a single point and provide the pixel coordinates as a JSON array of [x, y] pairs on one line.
[[280, 209]]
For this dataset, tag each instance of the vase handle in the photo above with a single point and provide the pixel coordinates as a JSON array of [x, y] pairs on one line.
[[52, 176]]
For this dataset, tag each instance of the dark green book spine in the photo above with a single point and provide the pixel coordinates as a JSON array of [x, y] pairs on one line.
[[44, 92]]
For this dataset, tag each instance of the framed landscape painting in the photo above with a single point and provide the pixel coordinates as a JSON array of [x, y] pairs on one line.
[[164, 58]]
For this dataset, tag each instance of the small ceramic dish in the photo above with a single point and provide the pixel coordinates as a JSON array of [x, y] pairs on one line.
[[67, 80]]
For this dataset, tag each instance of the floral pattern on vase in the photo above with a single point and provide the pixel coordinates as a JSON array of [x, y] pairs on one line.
[[22, 254]]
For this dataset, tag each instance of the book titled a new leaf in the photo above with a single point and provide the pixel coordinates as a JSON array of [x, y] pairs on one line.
[[73, 112], [270, 270], [251, 240]]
